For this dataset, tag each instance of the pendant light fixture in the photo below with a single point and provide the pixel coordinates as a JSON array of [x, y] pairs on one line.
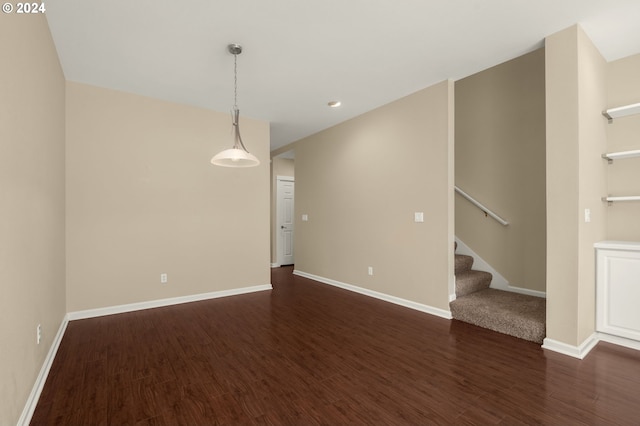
[[237, 156]]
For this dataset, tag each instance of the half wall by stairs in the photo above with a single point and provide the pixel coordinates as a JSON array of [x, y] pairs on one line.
[[515, 314]]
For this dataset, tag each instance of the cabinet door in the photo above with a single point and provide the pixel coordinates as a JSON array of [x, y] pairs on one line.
[[618, 293]]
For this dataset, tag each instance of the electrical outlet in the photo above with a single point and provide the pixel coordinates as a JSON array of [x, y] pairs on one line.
[[163, 278], [370, 271], [38, 334]]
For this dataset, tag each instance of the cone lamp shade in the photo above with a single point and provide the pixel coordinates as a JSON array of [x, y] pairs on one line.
[[235, 157]]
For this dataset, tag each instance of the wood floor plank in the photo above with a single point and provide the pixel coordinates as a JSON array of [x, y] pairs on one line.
[[309, 354]]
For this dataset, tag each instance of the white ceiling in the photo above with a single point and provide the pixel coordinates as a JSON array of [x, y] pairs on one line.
[[300, 54]]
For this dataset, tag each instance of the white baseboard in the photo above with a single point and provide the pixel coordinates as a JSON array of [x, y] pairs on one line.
[[620, 341], [382, 296], [34, 396], [275, 265], [574, 351], [92, 313], [498, 281], [581, 351], [526, 291]]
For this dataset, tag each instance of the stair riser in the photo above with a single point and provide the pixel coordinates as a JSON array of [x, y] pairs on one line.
[[463, 263], [472, 281]]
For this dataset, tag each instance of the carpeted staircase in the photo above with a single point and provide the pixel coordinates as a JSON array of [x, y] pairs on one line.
[[506, 312]]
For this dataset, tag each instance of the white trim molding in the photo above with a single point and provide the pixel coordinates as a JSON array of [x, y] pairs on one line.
[[620, 341], [581, 351], [382, 296], [99, 312], [275, 265], [34, 396], [574, 351]]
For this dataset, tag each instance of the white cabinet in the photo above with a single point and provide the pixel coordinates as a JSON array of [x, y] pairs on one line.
[[618, 289]]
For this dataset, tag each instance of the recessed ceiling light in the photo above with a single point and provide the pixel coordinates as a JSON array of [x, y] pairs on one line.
[[334, 104]]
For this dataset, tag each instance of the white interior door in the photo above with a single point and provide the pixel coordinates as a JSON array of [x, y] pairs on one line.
[[284, 222]]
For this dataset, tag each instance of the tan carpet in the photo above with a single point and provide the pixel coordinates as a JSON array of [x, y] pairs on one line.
[[506, 312]]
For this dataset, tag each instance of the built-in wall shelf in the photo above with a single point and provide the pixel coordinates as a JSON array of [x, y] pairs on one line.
[[620, 155], [626, 198], [610, 114], [622, 111]]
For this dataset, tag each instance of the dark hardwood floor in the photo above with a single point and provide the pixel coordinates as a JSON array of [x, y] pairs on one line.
[[307, 353]]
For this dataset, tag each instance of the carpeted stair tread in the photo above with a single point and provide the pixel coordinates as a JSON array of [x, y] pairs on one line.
[[472, 281], [463, 263], [506, 312]]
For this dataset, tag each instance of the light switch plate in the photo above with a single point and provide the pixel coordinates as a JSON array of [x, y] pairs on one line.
[[418, 217], [305, 218]]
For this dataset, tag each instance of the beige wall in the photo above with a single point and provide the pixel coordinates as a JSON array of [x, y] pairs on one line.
[[576, 176], [360, 183], [623, 88], [282, 167], [143, 199], [279, 167], [500, 161], [31, 205]]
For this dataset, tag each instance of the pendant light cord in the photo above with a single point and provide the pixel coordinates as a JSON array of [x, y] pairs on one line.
[[236, 112], [235, 81]]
